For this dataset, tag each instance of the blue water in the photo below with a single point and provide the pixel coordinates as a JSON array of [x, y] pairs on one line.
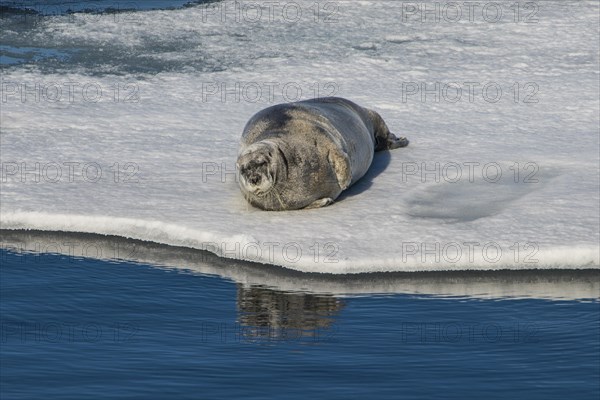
[[77, 328], [26, 48], [58, 7]]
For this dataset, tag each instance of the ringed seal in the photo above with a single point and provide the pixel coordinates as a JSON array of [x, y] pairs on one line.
[[304, 154]]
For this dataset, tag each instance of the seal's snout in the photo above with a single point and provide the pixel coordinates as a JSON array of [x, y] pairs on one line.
[[257, 179]]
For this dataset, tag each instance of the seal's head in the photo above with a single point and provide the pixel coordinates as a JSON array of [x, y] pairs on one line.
[[258, 167]]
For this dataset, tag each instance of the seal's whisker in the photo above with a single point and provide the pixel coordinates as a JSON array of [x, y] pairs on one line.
[[276, 193]]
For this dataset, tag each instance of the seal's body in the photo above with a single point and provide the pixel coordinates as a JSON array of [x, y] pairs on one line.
[[304, 154]]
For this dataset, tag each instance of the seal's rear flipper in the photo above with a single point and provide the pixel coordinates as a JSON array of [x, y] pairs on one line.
[[384, 139], [320, 203], [394, 142]]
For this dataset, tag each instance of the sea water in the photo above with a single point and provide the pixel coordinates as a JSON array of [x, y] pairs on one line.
[[176, 322], [124, 119]]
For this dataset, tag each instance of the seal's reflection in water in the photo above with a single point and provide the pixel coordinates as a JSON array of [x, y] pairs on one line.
[[267, 314]]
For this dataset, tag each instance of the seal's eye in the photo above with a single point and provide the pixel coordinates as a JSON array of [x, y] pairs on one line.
[[259, 162]]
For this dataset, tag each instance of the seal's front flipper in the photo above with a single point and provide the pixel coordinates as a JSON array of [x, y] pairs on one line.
[[320, 203], [394, 142], [340, 163]]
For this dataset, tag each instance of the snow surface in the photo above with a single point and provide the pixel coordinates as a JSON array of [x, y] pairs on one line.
[[176, 145]]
